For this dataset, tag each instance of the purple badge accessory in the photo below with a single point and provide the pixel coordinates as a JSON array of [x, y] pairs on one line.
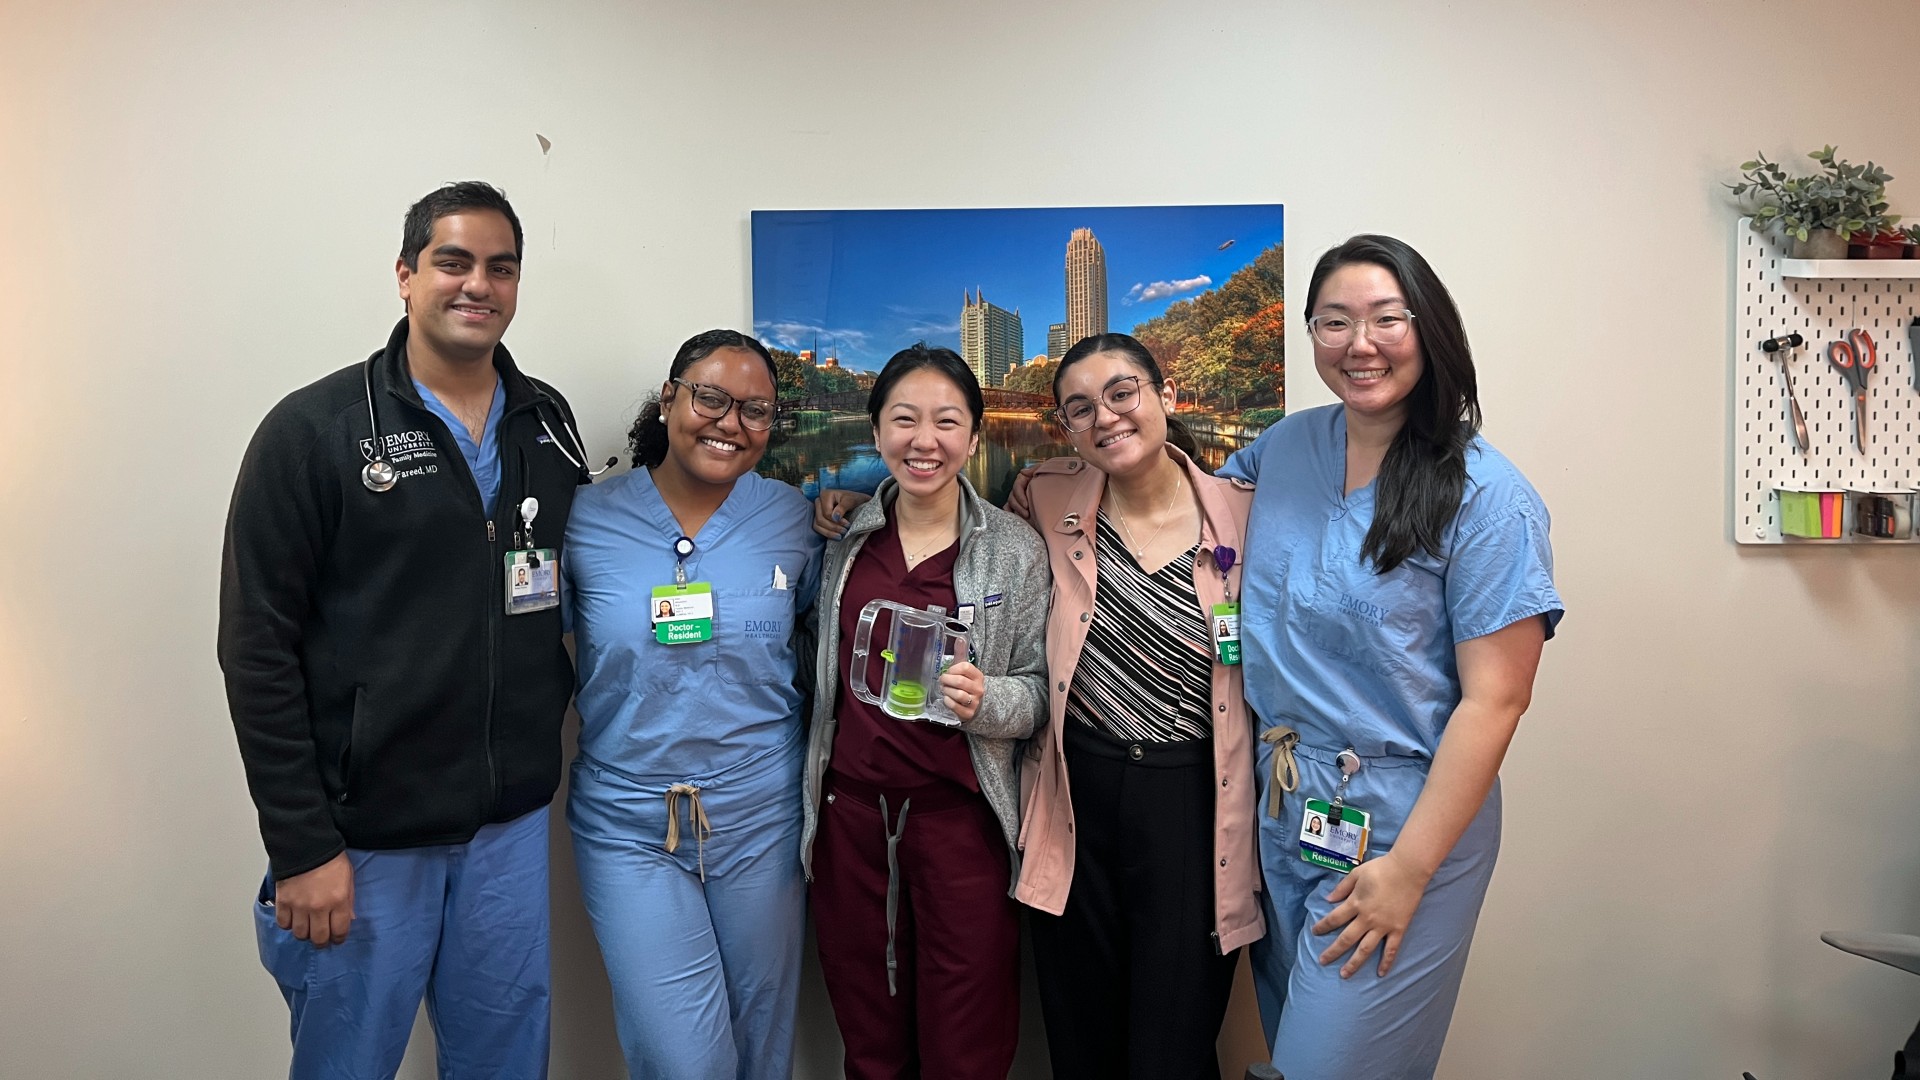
[[1223, 558]]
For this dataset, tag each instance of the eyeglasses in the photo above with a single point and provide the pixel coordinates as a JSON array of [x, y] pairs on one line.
[[756, 414], [1336, 331], [1121, 396]]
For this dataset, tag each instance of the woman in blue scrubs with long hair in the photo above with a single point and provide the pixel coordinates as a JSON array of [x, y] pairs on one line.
[[686, 579], [1398, 590]]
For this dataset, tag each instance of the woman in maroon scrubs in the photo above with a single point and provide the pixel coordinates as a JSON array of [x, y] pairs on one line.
[[910, 829]]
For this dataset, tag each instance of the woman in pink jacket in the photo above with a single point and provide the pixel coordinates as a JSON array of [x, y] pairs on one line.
[[1137, 808]]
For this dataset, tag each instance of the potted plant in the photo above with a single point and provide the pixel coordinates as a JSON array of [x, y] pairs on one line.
[[1911, 234], [1818, 213], [1885, 244]]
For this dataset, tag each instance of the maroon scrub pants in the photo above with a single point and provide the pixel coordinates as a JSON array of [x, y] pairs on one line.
[[953, 1010]]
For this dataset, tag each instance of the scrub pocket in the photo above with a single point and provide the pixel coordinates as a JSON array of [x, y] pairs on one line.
[[288, 959], [756, 637]]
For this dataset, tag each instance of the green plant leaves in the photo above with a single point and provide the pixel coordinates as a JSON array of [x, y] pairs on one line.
[[1848, 198]]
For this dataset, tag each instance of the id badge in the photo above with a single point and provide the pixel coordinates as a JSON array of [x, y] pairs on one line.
[[1226, 632], [533, 580], [683, 614], [1337, 845]]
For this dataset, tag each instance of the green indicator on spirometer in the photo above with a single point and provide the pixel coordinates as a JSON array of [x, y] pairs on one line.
[[907, 696]]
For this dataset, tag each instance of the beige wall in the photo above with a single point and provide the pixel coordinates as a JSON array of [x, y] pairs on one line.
[[199, 205]]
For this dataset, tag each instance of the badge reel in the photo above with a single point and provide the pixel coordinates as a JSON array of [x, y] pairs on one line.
[[1333, 834], [533, 573], [682, 612]]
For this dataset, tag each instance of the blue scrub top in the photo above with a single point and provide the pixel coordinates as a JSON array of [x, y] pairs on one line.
[[483, 457], [677, 712], [1348, 657]]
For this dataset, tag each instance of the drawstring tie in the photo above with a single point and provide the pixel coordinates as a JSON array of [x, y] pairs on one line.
[[894, 833], [696, 819], [1286, 775]]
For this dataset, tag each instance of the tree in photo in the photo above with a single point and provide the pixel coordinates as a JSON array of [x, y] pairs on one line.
[[1225, 349]]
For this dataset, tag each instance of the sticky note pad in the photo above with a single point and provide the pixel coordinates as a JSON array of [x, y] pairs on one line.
[[1800, 514]]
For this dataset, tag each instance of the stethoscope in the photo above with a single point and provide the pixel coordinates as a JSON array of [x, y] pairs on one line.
[[379, 474]]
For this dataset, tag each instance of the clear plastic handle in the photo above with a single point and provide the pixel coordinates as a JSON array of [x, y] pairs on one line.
[[862, 644], [956, 646]]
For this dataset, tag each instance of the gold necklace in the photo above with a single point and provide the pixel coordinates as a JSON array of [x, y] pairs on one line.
[[1165, 516], [914, 557]]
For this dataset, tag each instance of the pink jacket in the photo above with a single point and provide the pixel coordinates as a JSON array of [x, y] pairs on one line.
[[1062, 499]]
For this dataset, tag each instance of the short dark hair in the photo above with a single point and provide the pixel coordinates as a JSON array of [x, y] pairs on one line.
[[647, 439], [1128, 346], [919, 356], [1424, 474], [453, 198]]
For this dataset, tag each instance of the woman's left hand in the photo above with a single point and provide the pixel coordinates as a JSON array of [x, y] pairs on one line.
[[1375, 903], [963, 685]]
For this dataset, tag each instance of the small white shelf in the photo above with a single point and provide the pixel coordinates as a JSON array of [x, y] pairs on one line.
[[1851, 269]]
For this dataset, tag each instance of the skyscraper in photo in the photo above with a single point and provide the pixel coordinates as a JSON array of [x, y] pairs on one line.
[[1086, 287], [1056, 340], [990, 339]]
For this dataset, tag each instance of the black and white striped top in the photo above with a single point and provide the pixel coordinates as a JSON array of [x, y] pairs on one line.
[[1146, 673]]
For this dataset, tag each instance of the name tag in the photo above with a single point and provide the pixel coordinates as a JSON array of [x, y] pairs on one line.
[[1338, 844], [682, 614], [533, 580], [1225, 621]]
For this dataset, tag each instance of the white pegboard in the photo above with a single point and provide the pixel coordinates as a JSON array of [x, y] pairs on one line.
[[1821, 310]]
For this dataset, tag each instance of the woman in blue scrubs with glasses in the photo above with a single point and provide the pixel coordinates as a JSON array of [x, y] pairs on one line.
[[686, 579], [1398, 590]]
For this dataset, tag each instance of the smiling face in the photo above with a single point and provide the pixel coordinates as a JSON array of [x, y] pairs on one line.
[[1118, 443], [1372, 380], [461, 295], [715, 452], [925, 434]]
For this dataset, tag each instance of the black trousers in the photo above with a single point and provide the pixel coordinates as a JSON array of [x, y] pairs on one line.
[[1132, 983]]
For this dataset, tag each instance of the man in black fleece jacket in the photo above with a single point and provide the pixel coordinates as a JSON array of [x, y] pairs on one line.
[[391, 640]]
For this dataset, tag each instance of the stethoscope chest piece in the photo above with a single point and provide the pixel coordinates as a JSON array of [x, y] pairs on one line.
[[378, 476]]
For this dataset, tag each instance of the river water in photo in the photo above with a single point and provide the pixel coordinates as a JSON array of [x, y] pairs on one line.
[[838, 452]]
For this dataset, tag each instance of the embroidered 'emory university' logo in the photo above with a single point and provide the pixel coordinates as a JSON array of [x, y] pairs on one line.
[[402, 446]]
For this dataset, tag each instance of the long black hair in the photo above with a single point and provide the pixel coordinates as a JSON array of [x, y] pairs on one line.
[[1424, 474], [916, 357], [1177, 432], [647, 439]]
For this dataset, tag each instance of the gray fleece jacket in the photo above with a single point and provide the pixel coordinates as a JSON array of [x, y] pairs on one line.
[[1000, 556]]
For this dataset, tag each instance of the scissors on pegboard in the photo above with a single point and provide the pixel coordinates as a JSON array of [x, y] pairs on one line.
[[1854, 357]]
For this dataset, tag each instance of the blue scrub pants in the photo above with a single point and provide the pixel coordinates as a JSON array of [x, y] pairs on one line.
[[705, 974], [1323, 1027], [465, 925]]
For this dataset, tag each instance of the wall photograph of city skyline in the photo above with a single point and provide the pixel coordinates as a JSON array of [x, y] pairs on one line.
[[836, 292]]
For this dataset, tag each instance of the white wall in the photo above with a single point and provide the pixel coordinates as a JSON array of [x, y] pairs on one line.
[[199, 207]]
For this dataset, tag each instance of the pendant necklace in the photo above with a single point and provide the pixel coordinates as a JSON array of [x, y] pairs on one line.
[[914, 557], [1138, 548]]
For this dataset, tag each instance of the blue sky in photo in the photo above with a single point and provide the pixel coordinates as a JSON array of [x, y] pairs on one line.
[[867, 283]]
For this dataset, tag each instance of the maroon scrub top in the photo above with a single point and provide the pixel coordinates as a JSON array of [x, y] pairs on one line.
[[871, 747]]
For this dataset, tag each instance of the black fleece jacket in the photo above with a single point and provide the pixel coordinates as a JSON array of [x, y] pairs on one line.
[[382, 696]]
